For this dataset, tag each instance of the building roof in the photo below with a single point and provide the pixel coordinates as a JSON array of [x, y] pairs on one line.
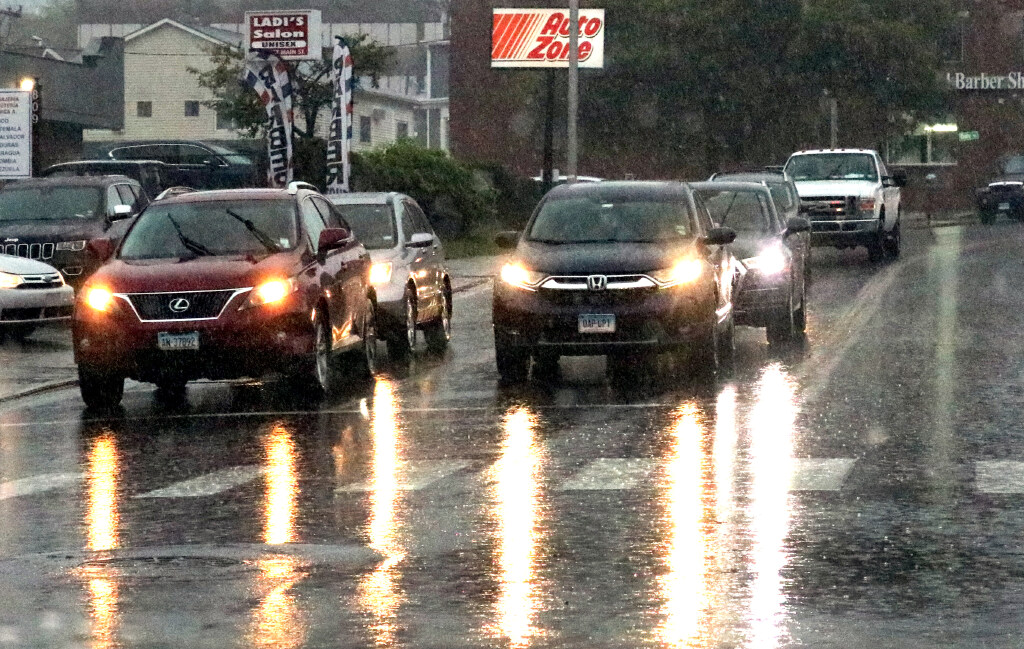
[[210, 34]]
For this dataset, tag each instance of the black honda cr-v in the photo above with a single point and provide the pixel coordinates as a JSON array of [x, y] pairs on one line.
[[623, 269]]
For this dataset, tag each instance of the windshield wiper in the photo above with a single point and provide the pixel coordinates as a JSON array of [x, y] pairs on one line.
[[191, 245], [260, 235]]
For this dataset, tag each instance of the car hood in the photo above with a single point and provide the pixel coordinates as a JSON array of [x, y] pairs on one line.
[[59, 230], [750, 244], [200, 274], [22, 266], [601, 258], [817, 188]]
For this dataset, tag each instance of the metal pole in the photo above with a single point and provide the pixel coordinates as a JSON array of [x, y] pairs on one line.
[[574, 96], [549, 133], [834, 126]]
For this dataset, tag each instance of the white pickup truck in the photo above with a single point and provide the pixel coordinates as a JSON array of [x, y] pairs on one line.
[[850, 198]]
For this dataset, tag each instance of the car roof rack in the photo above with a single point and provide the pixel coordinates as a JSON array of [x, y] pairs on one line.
[[295, 186], [173, 191]]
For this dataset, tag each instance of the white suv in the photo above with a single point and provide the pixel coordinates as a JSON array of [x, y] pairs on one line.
[[850, 198]]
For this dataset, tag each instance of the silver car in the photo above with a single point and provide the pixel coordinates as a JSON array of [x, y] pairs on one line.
[[32, 293], [414, 292]]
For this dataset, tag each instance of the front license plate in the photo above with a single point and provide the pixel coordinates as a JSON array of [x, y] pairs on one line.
[[592, 323], [169, 342], [1004, 207]]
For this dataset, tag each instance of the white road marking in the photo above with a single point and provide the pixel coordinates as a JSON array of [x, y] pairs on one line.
[[607, 474], [999, 477], [820, 474], [209, 484], [413, 476], [38, 484]]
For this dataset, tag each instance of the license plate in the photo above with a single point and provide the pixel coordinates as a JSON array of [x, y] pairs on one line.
[[1004, 207], [592, 323], [169, 342]]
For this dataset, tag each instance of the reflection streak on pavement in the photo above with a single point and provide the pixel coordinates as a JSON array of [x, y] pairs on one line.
[[101, 516], [771, 467], [103, 617], [684, 588], [278, 622], [379, 592], [282, 487], [517, 497]]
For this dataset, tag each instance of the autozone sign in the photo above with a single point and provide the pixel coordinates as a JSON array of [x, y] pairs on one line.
[[292, 35], [539, 38]]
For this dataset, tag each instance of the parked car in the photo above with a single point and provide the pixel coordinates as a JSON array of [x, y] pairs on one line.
[[153, 175], [52, 219], [227, 284], [196, 164], [773, 289], [850, 198], [409, 277], [623, 269], [1004, 194], [32, 294]]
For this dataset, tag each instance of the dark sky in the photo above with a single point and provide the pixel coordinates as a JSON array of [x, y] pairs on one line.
[[146, 11]]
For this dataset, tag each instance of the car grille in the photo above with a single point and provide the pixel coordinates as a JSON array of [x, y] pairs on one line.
[[49, 280], [828, 208], [36, 313], [620, 289], [29, 250], [201, 304]]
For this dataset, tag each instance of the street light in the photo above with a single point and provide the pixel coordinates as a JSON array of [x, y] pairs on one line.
[[28, 84]]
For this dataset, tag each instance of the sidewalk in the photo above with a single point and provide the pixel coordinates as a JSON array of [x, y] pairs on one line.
[[44, 360]]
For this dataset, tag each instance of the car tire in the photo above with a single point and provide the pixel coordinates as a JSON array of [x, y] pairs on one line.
[[781, 327], [101, 389], [800, 313], [402, 340], [513, 364], [727, 345], [365, 364], [988, 217], [438, 333], [893, 242], [703, 358]]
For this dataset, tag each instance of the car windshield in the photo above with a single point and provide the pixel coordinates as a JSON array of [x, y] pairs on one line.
[[832, 166], [374, 225], [595, 219], [50, 203], [743, 211], [1014, 165], [210, 228]]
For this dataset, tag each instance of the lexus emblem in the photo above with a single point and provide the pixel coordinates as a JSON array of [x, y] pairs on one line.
[[597, 282], [179, 305]]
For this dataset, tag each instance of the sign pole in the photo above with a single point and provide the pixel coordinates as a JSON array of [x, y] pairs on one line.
[[549, 133], [574, 97]]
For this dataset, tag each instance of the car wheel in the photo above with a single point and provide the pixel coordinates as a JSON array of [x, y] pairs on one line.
[[781, 326], [703, 358], [893, 241], [439, 332], [402, 340], [727, 345], [513, 364], [101, 389], [800, 313], [366, 361]]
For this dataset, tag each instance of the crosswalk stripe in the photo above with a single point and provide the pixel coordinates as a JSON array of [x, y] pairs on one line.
[[208, 484], [412, 476], [820, 474], [37, 484], [609, 474], [999, 476]]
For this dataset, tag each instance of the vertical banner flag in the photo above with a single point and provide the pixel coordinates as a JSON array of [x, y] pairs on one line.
[[267, 74], [339, 141]]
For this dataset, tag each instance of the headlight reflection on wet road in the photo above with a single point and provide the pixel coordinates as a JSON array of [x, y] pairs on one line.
[[517, 496], [282, 487], [101, 587], [101, 514], [278, 622]]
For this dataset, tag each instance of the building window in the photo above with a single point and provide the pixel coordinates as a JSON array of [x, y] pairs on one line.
[[928, 144], [144, 109], [191, 109], [402, 130], [225, 123], [365, 129]]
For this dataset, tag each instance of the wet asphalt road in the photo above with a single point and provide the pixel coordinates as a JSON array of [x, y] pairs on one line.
[[864, 490]]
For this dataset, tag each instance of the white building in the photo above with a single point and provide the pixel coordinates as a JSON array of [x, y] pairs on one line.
[[163, 100]]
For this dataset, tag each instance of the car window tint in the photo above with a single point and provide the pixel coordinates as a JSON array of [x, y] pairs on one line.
[[113, 198], [703, 216], [781, 196], [419, 219], [328, 214], [373, 224], [313, 223], [408, 222], [127, 197], [193, 155], [743, 211], [606, 219]]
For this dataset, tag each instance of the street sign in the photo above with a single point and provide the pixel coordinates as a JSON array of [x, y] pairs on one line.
[[539, 38], [15, 134], [969, 136], [292, 35]]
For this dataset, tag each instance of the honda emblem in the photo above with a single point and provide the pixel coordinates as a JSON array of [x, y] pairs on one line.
[[597, 282]]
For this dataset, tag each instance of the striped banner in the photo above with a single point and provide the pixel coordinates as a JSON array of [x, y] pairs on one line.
[[267, 74], [339, 141]]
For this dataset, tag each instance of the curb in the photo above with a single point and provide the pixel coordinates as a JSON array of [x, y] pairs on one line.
[[46, 387]]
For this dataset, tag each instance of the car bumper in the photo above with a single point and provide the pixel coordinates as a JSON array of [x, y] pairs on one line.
[[36, 306], [760, 299], [1003, 202], [652, 319], [852, 232]]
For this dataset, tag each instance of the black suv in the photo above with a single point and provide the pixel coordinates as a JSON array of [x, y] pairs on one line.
[[623, 269], [52, 219], [153, 175], [199, 165], [1004, 194]]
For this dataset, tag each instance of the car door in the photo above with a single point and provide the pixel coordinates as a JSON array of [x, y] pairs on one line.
[[890, 196], [200, 165], [326, 272], [419, 260], [350, 263]]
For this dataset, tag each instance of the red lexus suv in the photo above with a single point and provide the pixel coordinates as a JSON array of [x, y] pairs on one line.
[[227, 284]]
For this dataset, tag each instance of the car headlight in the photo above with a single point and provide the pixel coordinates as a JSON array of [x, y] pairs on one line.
[[380, 273], [10, 280], [98, 298], [687, 271], [518, 276], [771, 261], [272, 292], [70, 246]]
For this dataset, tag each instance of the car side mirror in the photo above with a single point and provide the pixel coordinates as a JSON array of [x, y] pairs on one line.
[[720, 236], [797, 224], [331, 238], [506, 240], [121, 212], [899, 177], [420, 240], [102, 249]]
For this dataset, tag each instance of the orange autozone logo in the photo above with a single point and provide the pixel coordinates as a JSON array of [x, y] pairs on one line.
[[540, 38]]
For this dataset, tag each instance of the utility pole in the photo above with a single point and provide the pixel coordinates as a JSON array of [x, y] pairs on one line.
[[572, 143], [549, 134], [833, 110], [7, 17]]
